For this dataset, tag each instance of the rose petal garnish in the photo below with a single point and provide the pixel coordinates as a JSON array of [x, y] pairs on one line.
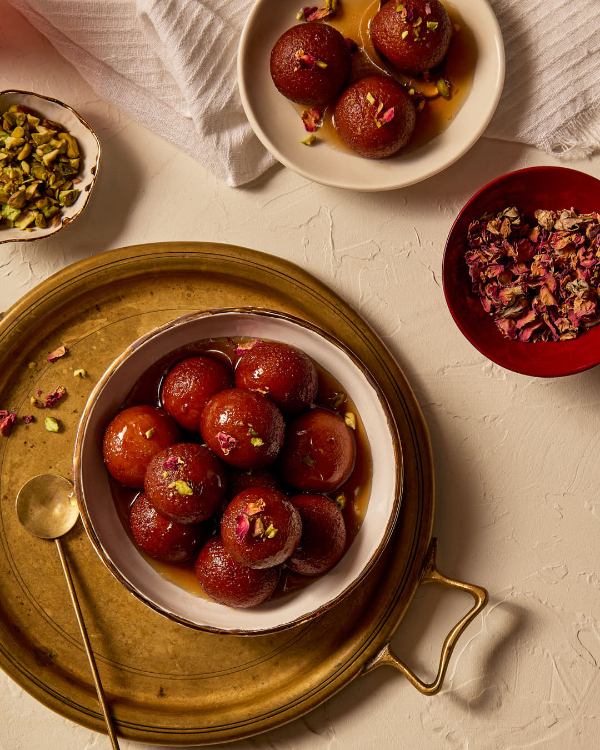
[[226, 442], [311, 118], [305, 60], [53, 398], [7, 421], [538, 279], [28, 419], [243, 526], [57, 354], [243, 348], [170, 463]]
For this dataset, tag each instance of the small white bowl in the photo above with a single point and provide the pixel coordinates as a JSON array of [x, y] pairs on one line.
[[277, 123], [119, 554], [89, 147]]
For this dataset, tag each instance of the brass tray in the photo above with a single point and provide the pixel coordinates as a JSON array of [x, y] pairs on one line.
[[165, 683]]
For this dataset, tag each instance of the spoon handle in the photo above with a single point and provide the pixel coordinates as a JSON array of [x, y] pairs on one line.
[[88, 648]]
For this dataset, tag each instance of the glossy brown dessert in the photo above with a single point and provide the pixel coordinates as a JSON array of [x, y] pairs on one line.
[[323, 539], [243, 428], [261, 528], [228, 582], [375, 117], [161, 538], [132, 438], [352, 496], [414, 36], [239, 480], [310, 63], [280, 371], [188, 387], [185, 482], [319, 451]]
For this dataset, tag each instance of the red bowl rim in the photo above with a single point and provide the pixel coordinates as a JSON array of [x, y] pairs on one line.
[[527, 368]]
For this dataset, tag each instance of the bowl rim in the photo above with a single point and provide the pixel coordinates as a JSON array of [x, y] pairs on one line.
[[94, 169], [182, 320], [525, 369], [489, 111]]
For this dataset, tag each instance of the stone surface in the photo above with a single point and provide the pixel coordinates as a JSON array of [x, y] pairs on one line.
[[516, 467]]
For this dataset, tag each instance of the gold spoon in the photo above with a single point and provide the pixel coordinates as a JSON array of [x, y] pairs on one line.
[[47, 508]]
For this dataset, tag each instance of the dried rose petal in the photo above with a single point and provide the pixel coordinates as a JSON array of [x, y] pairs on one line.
[[305, 60], [387, 116], [226, 442], [57, 354], [28, 419], [539, 283], [53, 398], [243, 348], [243, 526], [310, 118], [7, 420], [171, 463]]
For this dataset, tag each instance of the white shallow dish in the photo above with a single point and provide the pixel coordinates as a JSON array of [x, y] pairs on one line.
[[277, 123], [122, 558], [89, 147]]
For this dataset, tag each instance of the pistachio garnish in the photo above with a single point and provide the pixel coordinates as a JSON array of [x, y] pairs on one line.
[[350, 419], [38, 166], [181, 487], [308, 460], [150, 433], [309, 140], [337, 399], [51, 424], [432, 25], [81, 373], [340, 501], [444, 88], [271, 531], [257, 442]]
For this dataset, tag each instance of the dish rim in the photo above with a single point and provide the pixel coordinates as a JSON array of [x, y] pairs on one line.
[[340, 182]]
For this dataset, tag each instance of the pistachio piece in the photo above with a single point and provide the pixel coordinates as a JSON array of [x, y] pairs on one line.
[[67, 197], [12, 142], [49, 157], [51, 424], [72, 145], [350, 419], [81, 373], [444, 88]]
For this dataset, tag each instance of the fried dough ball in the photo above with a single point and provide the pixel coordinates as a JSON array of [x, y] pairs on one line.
[[160, 537], [323, 539]]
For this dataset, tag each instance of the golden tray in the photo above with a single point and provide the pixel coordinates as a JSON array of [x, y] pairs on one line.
[[165, 683]]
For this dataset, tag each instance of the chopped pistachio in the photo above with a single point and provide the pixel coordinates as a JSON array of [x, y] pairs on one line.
[[444, 88], [432, 25], [165, 474], [350, 419], [257, 442], [150, 433], [259, 527], [270, 531], [32, 365], [181, 487], [337, 399], [81, 373], [309, 140], [299, 15], [340, 501], [51, 424], [404, 33], [308, 460], [370, 98], [320, 64]]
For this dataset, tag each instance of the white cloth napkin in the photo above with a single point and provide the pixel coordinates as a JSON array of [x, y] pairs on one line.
[[171, 65]]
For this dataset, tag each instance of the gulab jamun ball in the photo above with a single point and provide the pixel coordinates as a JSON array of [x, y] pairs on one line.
[[310, 63], [319, 451], [188, 387], [229, 582], [411, 45], [185, 482], [243, 428], [132, 438], [283, 373], [239, 480], [323, 539], [161, 538], [261, 528], [375, 117]]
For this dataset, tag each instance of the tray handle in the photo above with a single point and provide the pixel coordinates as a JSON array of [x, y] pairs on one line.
[[431, 574]]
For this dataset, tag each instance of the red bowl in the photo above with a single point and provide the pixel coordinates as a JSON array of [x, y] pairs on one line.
[[527, 189]]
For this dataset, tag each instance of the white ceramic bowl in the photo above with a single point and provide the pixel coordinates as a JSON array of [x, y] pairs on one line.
[[277, 123], [89, 147], [106, 531]]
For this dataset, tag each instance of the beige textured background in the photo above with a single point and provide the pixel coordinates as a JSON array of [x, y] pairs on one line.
[[516, 458]]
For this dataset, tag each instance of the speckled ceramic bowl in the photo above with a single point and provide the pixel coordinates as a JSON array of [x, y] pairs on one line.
[[89, 147], [122, 558]]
